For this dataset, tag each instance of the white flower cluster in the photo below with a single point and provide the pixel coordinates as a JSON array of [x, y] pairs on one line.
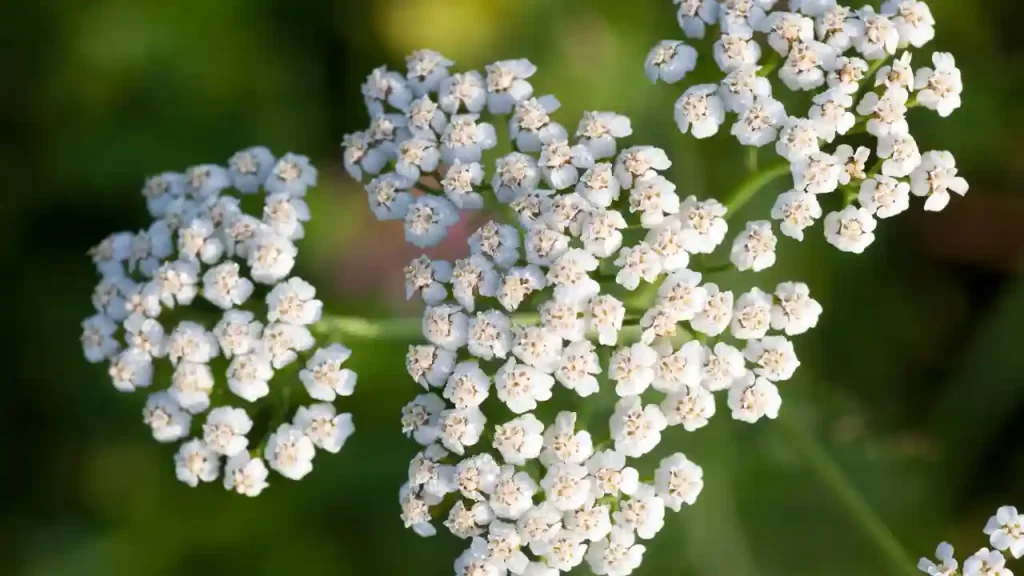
[[1006, 534], [848, 59], [204, 257], [539, 308]]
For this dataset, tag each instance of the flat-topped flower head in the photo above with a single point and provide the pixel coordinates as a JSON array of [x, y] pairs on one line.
[[670, 61], [935, 178]]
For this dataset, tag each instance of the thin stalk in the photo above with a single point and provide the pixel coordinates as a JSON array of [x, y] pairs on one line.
[[752, 158], [849, 497], [751, 186]]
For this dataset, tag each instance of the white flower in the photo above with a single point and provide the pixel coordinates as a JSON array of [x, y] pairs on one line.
[[191, 342], [145, 335], [898, 75], [733, 51], [704, 227], [986, 563], [507, 85], [853, 162], [566, 486], [721, 367], [175, 282], [714, 317], [502, 548], [754, 249], [290, 452], [742, 87], [165, 417], [667, 240], [611, 475], [888, 112], [751, 399], [161, 190], [618, 555], [463, 90], [682, 294], [565, 212], [474, 276], [637, 263], [225, 429], [817, 173], [464, 139], [636, 429], [519, 439], [513, 493], [544, 245], [881, 36], [428, 366], [224, 287], [759, 123], [562, 444], [901, 154], [835, 25], [674, 370], [322, 424], [476, 477], [518, 283], [383, 86], [804, 68], [458, 183], [632, 369], [515, 174], [292, 175], [562, 318], [796, 211], [238, 232], [389, 197], [426, 70], [913, 20], [605, 314], [445, 326], [884, 196], [634, 162], [357, 152], [282, 342], [774, 356], [245, 475], [529, 207], [847, 73], [428, 220], [602, 232], [500, 242], [851, 229], [598, 130], [700, 111], [578, 365], [1006, 531], [293, 302], [531, 123], [461, 428], [935, 178], [599, 186], [520, 386], [426, 472], [271, 257], [420, 418], [653, 196], [490, 335], [473, 561], [195, 462], [416, 514], [691, 406], [798, 139], [670, 61], [678, 481], [206, 181], [285, 214], [643, 512], [537, 347], [794, 311], [560, 163], [468, 386], [831, 112], [248, 376], [325, 379], [742, 16], [939, 89], [427, 277], [944, 554], [752, 315]]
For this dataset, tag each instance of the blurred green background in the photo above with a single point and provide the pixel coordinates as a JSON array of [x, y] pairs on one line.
[[909, 406]]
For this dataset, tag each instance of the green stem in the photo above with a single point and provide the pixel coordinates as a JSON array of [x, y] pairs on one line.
[[749, 187], [752, 158], [848, 496]]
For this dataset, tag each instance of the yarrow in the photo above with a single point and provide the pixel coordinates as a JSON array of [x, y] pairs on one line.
[[542, 305], [214, 251], [859, 66], [1006, 534]]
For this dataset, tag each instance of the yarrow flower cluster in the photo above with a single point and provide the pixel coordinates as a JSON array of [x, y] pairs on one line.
[[1006, 534], [857, 65], [538, 308], [206, 257]]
